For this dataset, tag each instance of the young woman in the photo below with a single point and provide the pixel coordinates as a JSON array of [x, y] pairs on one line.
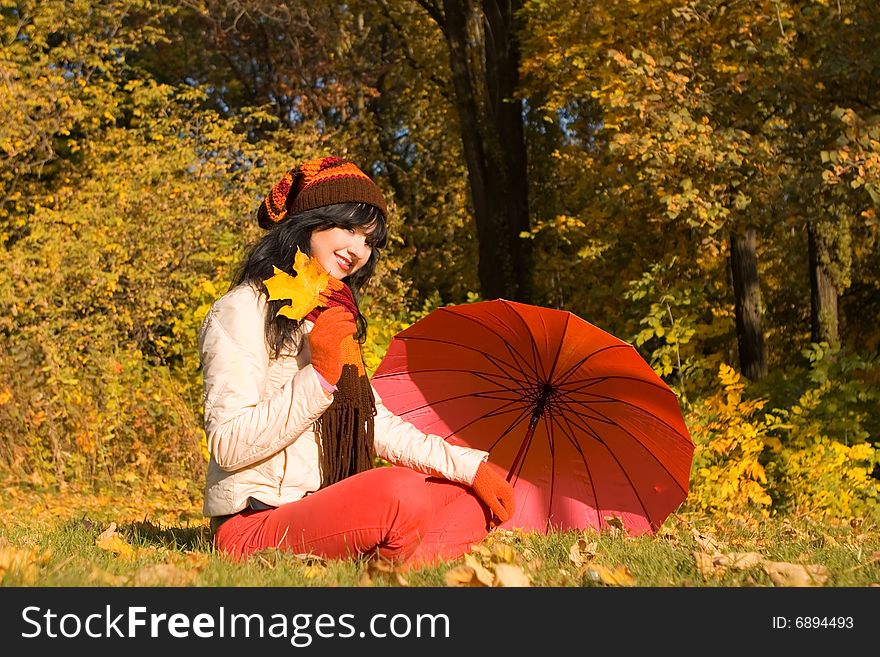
[[292, 421]]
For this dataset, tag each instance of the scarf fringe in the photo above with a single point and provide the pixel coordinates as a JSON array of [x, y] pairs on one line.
[[345, 430]]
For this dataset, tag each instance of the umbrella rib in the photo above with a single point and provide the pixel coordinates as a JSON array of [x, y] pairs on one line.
[[490, 329], [515, 366], [510, 427], [595, 381], [604, 399], [574, 367], [559, 348], [485, 376], [528, 332], [590, 430], [493, 414], [434, 402], [625, 474], [580, 451], [454, 344], [552, 469], [571, 408], [521, 361]]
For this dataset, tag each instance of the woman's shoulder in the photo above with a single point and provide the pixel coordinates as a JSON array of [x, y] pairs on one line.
[[245, 294], [239, 313]]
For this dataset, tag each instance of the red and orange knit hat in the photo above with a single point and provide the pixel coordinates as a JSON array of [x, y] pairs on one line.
[[316, 183]]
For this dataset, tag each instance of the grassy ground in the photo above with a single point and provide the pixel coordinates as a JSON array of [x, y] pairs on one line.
[[157, 537]]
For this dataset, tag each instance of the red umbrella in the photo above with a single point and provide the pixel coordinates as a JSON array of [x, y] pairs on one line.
[[580, 424]]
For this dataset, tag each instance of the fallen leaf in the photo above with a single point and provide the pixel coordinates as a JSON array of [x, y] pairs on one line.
[[509, 575], [792, 574], [616, 524], [582, 551], [829, 540], [706, 564], [740, 560], [462, 576], [791, 530], [379, 569], [100, 577], [482, 550], [110, 541], [194, 560], [484, 576], [19, 562], [504, 553], [162, 574], [620, 576], [705, 542]]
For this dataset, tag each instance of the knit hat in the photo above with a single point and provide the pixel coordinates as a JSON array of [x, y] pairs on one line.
[[316, 183]]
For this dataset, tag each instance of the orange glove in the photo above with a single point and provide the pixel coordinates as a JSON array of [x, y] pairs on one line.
[[331, 327], [495, 491]]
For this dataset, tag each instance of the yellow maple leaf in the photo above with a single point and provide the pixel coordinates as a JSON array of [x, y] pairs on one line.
[[509, 575], [110, 541], [310, 288]]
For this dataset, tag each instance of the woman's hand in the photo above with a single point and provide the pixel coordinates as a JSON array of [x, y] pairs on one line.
[[331, 327], [496, 492]]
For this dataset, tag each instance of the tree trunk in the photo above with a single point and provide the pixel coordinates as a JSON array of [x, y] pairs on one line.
[[823, 295], [747, 301], [494, 145]]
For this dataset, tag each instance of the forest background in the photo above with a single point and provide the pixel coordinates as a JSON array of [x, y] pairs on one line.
[[700, 178]]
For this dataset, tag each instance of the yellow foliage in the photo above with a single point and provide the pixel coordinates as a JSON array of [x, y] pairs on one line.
[[745, 463], [729, 477]]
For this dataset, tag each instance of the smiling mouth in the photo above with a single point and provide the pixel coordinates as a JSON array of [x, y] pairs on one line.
[[343, 262]]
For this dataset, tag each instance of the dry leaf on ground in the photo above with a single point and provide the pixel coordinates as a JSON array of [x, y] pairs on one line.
[[110, 541], [705, 542], [376, 569], [162, 574], [582, 551], [793, 574], [713, 564], [615, 523], [22, 562], [620, 576], [100, 577], [482, 574], [504, 553], [706, 564], [739, 560], [482, 550], [509, 575], [462, 576]]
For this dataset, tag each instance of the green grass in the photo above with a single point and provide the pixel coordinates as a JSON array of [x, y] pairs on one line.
[[39, 549]]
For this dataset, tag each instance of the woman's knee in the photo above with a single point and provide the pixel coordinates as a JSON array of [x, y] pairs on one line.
[[403, 490]]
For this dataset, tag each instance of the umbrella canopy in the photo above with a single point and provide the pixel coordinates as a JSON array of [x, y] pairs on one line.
[[579, 423]]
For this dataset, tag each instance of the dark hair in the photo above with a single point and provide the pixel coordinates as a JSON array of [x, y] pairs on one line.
[[278, 247]]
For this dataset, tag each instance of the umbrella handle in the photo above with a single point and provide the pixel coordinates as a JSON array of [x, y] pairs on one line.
[[517, 464]]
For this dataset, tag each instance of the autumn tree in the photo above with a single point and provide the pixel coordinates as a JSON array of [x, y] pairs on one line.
[[484, 59]]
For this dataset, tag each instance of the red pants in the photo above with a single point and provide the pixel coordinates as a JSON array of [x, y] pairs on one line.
[[405, 516]]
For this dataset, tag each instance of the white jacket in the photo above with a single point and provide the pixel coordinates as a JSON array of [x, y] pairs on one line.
[[259, 416]]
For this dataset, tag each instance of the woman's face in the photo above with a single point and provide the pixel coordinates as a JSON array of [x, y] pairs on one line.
[[341, 251]]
